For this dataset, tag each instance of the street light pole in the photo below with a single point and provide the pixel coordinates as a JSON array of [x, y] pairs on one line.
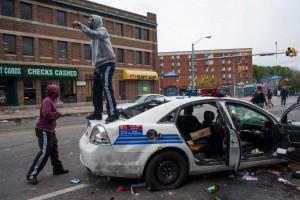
[[193, 60]]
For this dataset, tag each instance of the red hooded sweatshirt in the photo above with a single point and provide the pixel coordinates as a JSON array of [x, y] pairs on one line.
[[48, 112]]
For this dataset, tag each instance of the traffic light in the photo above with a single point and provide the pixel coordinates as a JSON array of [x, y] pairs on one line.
[[291, 52], [288, 52], [294, 52]]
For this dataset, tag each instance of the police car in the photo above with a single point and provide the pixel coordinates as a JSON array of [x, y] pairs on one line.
[[164, 143]]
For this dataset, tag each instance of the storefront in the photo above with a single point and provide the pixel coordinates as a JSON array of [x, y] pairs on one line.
[[137, 82], [26, 84]]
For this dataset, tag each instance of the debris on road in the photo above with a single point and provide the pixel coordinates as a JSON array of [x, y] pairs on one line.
[[249, 178], [212, 189], [121, 189], [256, 152], [286, 182], [133, 186], [274, 172], [75, 181]]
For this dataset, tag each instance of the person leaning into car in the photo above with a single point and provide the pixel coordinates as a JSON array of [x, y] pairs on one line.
[[103, 60]]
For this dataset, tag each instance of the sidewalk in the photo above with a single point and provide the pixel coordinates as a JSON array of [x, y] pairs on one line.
[[31, 113]]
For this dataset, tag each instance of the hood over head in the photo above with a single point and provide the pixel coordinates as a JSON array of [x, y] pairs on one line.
[[98, 22], [52, 91]]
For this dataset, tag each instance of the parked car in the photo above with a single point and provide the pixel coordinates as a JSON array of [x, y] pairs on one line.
[[141, 99], [164, 143]]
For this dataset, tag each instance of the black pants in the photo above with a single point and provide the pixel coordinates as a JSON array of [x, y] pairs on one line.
[[48, 147], [283, 100], [103, 81]]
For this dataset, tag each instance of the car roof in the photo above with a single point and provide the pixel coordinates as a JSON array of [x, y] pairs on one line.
[[155, 114]]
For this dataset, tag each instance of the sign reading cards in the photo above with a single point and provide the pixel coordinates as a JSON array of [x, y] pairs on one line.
[[15, 71], [28, 71], [131, 130]]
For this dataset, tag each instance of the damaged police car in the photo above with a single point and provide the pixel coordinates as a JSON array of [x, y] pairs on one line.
[[164, 143]]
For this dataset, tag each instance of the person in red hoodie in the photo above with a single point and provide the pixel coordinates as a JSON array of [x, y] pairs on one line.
[[45, 132]]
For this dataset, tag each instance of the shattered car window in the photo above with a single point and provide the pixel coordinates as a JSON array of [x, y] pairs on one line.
[[138, 109]]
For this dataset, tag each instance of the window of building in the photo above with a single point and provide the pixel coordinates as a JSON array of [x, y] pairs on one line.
[[147, 58], [87, 52], [120, 30], [9, 42], [144, 87], [121, 56], [8, 8], [137, 33], [138, 57], [61, 18], [146, 34], [29, 92], [62, 49], [67, 91], [85, 20], [27, 44], [26, 11]]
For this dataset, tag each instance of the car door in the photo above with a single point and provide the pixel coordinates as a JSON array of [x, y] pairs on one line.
[[289, 126], [233, 147]]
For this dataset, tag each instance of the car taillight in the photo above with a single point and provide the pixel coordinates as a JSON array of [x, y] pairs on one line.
[[99, 136]]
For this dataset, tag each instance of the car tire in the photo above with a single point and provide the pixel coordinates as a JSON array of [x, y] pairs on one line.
[[166, 170]]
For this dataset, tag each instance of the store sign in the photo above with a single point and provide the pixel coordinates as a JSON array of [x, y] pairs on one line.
[[139, 75], [15, 71], [27, 71]]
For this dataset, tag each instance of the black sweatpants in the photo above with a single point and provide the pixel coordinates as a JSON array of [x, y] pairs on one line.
[[48, 147]]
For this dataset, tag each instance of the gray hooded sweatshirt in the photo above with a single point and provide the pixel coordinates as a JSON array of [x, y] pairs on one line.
[[102, 51]]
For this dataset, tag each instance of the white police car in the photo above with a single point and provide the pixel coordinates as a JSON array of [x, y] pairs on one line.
[[164, 143]]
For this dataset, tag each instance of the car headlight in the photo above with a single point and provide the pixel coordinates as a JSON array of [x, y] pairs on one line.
[[99, 135]]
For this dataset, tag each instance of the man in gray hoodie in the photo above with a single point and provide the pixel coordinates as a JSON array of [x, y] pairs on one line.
[[103, 60]]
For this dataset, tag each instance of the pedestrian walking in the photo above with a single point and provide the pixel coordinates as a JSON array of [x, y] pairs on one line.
[[284, 95], [45, 132], [103, 61], [259, 98], [270, 95]]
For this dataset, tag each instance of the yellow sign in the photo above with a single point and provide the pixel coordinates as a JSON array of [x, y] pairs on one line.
[[139, 75]]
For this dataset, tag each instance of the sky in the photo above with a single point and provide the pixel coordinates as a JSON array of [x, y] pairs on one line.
[[255, 24]]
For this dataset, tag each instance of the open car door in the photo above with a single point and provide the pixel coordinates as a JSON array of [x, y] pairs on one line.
[[232, 140], [289, 126]]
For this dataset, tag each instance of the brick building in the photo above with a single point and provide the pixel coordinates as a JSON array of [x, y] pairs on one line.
[[39, 46], [213, 68]]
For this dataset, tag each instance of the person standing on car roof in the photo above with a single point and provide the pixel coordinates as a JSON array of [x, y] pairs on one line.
[[103, 60], [45, 132], [259, 98]]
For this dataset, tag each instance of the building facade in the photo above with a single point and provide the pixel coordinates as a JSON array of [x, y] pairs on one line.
[[220, 68], [39, 46]]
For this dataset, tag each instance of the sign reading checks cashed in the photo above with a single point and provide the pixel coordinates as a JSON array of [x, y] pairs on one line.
[[27, 71]]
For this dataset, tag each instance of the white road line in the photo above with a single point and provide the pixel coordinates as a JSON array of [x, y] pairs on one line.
[[59, 192]]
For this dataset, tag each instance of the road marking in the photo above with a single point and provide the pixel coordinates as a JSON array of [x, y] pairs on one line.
[[59, 192]]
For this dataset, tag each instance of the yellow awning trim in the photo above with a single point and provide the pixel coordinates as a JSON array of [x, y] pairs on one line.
[[139, 75]]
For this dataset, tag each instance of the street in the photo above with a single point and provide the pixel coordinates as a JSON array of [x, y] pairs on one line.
[[18, 146]]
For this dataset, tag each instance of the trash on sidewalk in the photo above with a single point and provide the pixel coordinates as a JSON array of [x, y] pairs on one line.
[[281, 151], [256, 152], [75, 181], [211, 189], [286, 182], [4, 121], [249, 178], [294, 166], [133, 186], [172, 193], [216, 197], [231, 176], [121, 189], [274, 172]]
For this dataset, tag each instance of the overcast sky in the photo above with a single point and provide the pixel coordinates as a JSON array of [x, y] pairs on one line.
[[255, 24]]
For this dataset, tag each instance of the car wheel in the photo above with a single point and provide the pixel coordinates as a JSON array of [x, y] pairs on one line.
[[167, 170]]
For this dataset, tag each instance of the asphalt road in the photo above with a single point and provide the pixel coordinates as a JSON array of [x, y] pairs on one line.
[[18, 146]]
